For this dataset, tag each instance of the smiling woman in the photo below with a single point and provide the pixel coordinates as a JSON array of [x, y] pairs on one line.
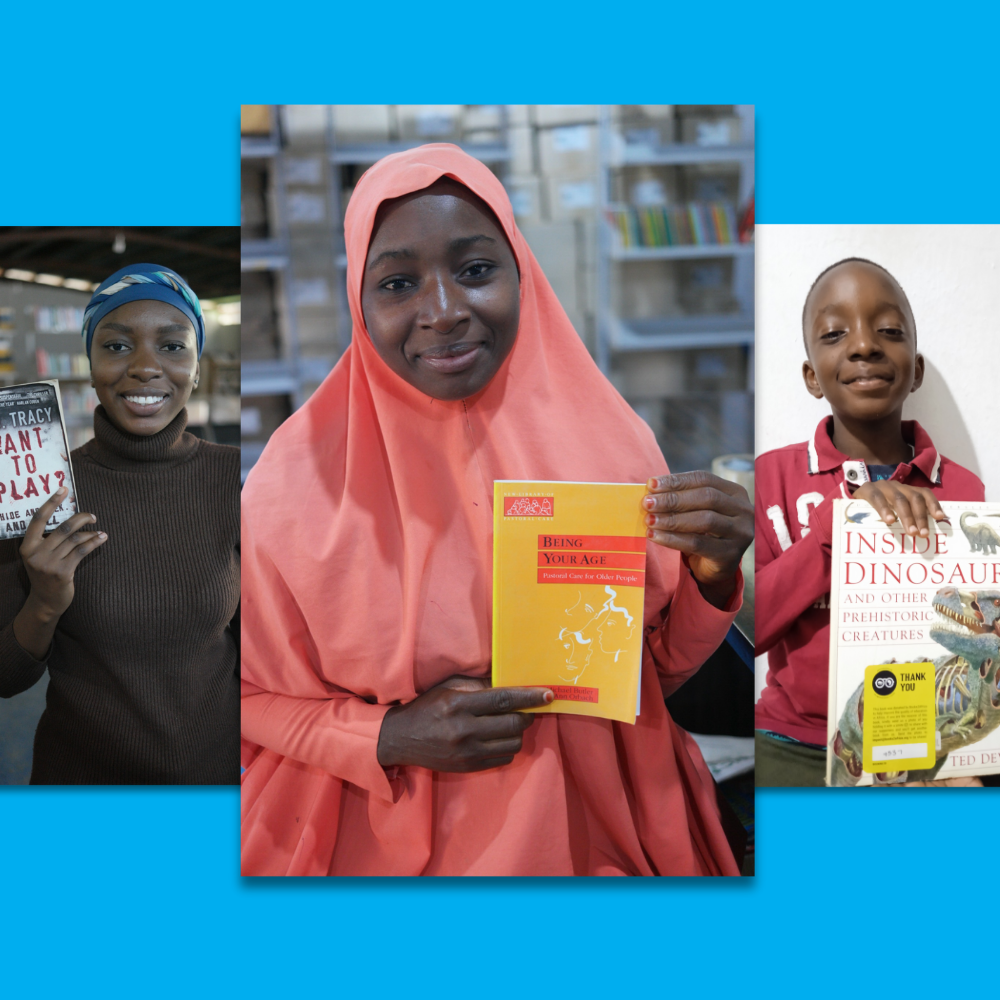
[[137, 623], [374, 743]]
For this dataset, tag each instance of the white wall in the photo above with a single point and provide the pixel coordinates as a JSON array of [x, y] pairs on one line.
[[951, 275]]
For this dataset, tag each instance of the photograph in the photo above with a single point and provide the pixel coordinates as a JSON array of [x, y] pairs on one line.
[[497, 460], [119, 505], [878, 574]]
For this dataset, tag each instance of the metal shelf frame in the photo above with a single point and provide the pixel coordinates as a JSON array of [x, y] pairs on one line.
[[615, 333]]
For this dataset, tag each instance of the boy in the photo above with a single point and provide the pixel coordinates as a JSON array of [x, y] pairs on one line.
[[861, 348]]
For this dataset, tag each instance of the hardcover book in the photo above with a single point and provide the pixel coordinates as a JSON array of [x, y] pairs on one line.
[[569, 563], [34, 456], [914, 647]]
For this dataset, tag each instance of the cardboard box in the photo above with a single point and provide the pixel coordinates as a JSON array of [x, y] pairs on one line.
[[646, 289], [647, 125], [565, 114], [711, 130], [255, 119], [525, 195], [430, 122], [569, 199], [259, 317], [261, 416], [361, 124], [481, 116], [651, 375], [568, 151], [555, 248], [304, 121]]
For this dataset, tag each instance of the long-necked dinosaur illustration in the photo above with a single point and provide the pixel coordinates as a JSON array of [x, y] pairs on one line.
[[981, 537]]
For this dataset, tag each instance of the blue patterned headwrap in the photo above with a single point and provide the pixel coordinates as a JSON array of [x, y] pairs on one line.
[[143, 281]]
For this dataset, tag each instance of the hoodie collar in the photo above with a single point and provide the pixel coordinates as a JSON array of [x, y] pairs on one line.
[[824, 457]]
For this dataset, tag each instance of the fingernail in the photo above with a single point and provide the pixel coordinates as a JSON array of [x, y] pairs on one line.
[[549, 697], [649, 534], [101, 534], [651, 485], [648, 503], [60, 491], [650, 519], [944, 520]]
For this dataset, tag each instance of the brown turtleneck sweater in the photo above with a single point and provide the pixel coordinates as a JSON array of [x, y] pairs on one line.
[[143, 685]]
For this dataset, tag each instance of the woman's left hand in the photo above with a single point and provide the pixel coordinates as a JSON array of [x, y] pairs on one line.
[[707, 518]]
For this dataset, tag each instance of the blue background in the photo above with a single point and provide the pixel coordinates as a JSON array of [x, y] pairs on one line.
[[129, 116]]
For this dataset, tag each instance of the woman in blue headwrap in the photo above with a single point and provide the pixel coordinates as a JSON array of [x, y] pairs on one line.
[[133, 603]]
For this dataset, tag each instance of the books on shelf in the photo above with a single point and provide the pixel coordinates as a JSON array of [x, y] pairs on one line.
[[58, 319], [34, 456], [914, 647], [6, 355], [569, 565], [694, 224], [53, 364]]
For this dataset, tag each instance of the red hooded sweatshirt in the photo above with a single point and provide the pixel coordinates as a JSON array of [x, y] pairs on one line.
[[795, 489]]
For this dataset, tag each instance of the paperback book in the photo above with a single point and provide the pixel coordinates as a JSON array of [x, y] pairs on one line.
[[34, 456], [914, 647], [569, 562]]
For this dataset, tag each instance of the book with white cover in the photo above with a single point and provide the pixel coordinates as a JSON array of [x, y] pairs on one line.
[[908, 610], [34, 456]]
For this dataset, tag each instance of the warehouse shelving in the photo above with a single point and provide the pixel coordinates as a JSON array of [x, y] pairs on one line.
[[281, 376], [615, 333]]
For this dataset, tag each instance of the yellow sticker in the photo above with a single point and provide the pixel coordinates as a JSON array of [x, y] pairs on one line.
[[898, 723]]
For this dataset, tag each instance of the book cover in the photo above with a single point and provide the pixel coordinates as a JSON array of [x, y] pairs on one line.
[[34, 456], [914, 647], [569, 563]]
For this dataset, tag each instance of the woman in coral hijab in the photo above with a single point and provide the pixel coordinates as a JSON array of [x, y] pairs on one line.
[[373, 743]]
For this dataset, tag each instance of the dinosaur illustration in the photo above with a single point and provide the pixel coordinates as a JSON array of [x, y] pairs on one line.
[[967, 682], [981, 537]]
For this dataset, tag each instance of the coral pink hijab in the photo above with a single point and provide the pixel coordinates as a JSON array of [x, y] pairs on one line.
[[367, 580]]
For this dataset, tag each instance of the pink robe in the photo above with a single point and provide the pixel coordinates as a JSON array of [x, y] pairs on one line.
[[367, 530]]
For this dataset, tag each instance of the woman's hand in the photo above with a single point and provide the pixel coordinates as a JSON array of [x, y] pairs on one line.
[[50, 562], [462, 724], [911, 505], [707, 518]]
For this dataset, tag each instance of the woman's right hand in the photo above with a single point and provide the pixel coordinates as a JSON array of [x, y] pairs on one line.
[[51, 560], [462, 724]]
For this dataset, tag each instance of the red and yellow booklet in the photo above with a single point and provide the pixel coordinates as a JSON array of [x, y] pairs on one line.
[[569, 563]]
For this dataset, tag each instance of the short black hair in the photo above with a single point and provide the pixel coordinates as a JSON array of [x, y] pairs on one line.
[[853, 260]]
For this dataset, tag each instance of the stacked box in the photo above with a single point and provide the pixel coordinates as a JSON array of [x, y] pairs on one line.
[[554, 247], [362, 124], [564, 114], [709, 125], [430, 122], [255, 119], [259, 329], [260, 416], [525, 193]]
